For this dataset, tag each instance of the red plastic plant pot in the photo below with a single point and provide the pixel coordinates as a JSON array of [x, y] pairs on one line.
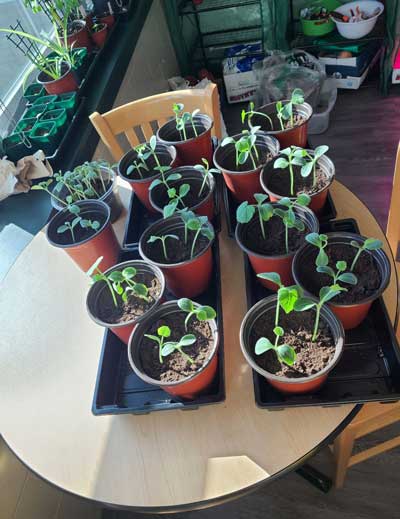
[[80, 38], [193, 149], [285, 384], [66, 83], [100, 35], [89, 21], [353, 314], [108, 19], [93, 300], [166, 156], [102, 242], [159, 196], [188, 278], [243, 184], [296, 136], [280, 264], [187, 388], [317, 200]]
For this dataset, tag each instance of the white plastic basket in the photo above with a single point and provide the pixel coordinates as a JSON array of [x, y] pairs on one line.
[[356, 30]]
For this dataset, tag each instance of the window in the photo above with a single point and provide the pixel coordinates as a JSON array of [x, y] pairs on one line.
[[13, 64]]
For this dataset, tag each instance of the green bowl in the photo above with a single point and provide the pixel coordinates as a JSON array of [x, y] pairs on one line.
[[320, 27]]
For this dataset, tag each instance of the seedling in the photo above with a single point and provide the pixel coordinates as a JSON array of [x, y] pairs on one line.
[[200, 226], [146, 150], [44, 186], [293, 157], [118, 282], [163, 179], [285, 353], [245, 146], [202, 312], [163, 332], [251, 113], [285, 111], [340, 274], [176, 197], [182, 118], [369, 244], [288, 215], [84, 223], [320, 241], [170, 347], [325, 295], [137, 166], [206, 172], [311, 164], [163, 239], [246, 211]]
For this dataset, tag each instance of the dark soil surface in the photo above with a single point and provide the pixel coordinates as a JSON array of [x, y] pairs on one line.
[[258, 120], [278, 181], [171, 134], [159, 194], [274, 244], [311, 358], [175, 366], [164, 159], [229, 162], [177, 250], [41, 132], [80, 233], [366, 270], [134, 307]]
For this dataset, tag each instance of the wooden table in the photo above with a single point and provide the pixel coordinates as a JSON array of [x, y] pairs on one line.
[[164, 461]]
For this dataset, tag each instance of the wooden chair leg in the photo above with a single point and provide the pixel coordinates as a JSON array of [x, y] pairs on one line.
[[343, 447]]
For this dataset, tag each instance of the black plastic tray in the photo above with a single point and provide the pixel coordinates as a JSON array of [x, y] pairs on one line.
[[139, 218], [120, 391], [369, 370], [328, 213]]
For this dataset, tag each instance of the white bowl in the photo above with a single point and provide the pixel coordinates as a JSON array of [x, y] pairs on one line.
[[356, 30]]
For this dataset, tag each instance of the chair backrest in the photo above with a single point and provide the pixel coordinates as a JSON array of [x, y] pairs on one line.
[[393, 225], [157, 108]]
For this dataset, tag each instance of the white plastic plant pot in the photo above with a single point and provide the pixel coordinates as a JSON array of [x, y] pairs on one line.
[[356, 30]]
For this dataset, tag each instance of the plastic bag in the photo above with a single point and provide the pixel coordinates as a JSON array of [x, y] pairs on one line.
[[281, 72]]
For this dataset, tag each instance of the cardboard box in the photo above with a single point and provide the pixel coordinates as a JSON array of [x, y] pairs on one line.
[[240, 86], [354, 66]]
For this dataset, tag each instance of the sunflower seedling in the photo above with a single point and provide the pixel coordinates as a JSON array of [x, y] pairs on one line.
[[320, 241], [200, 226], [163, 332], [183, 118], [285, 111], [137, 166], [176, 197], [293, 156], [251, 113], [245, 146], [206, 171], [369, 244], [148, 149], [163, 179], [84, 223], [163, 239], [311, 164], [187, 340], [246, 211], [202, 313], [340, 275], [288, 215]]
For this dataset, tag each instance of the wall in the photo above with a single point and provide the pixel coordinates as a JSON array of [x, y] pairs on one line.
[[152, 63]]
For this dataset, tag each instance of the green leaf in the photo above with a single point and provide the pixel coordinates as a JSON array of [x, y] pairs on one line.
[[95, 225], [322, 259], [286, 354], [372, 244], [184, 190], [153, 142], [168, 348], [194, 224], [62, 228], [299, 152], [266, 212], [314, 239], [355, 244], [297, 96], [260, 197], [118, 288], [186, 304], [303, 199], [187, 340], [245, 212], [227, 140], [296, 161], [209, 313], [324, 269], [201, 314], [208, 232], [281, 163], [94, 266], [170, 209], [328, 293], [74, 209], [348, 277], [153, 238], [171, 192], [173, 176], [306, 169], [279, 331], [320, 150], [285, 201], [140, 289], [125, 297], [115, 276], [156, 182], [274, 277], [164, 331], [341, 266], [299, 224], [262, 345], [287, 298], [303, 303], [152, 337], [243, 155]]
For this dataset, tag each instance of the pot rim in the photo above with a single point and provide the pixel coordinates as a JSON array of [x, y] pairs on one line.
[[104, 27], [297, 108], [329, 169], [207, 122], [297, 209], [193, 171], [100, 205], [137, 263], [169, 308], [170, 149], [385, 275], [41, 82], [271, 143], [178, 223], [326, 314]]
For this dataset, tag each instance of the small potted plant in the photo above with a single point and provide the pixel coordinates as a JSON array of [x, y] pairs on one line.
[[192, 187], [297, 348], [91, 180], [99, 34], [241, 157], [143, 164], [77, 35], [296, 171], [190, 133], [286, 120], [176, 348], [181, 246], [84, 231], [358, 262], [271, 234], [107, 18], [124, 295]]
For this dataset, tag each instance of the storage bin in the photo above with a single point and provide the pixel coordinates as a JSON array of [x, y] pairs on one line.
[[319, 121]]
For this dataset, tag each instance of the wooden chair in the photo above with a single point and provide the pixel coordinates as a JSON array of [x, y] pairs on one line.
[[157, 108], [373, 416]]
